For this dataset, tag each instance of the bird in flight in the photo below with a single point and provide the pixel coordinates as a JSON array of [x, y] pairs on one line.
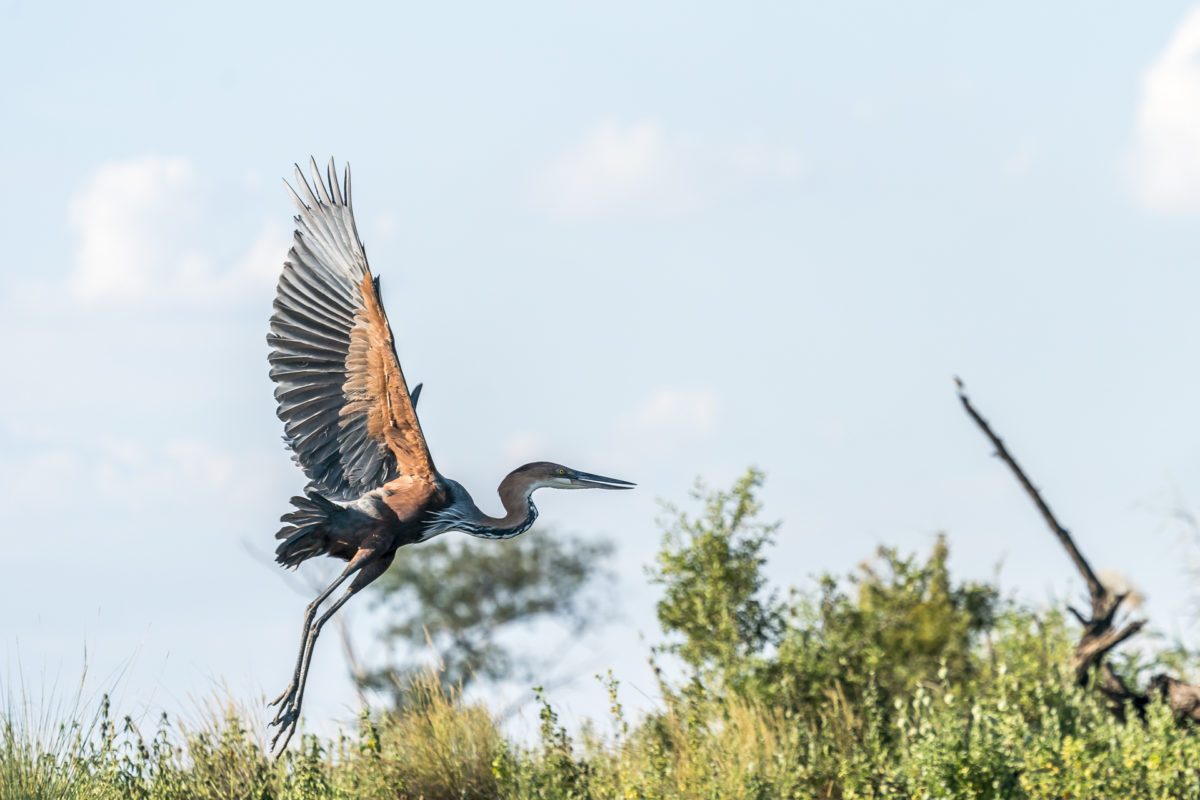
[[351, 423]]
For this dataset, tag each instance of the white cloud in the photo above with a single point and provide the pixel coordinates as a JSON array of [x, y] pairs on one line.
[[125, 472], [678, 410], [261, 263], [142, 225], [39, 477], [119, 216], [1166, 157], [638, 170], [615, 167], [200, 464], [525, 446]]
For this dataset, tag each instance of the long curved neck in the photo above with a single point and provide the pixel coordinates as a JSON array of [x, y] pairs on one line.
[[519, 513], [516, 492]]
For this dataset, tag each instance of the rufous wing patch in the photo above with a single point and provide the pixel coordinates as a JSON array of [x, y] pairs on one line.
[[375, 388]]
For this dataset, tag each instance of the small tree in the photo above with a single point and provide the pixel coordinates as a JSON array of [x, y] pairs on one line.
[[901, 622], [711, 569], [464, 595]]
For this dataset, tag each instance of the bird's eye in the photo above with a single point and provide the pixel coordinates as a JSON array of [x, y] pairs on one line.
[[562, 471]]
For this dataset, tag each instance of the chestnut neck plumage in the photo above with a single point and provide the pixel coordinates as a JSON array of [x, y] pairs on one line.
[[516, 495]]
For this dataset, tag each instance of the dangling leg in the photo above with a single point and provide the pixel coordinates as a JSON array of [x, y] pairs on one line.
[[289, 712], [309, 614]]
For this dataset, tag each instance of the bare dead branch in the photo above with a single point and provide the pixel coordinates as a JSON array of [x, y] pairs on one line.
[[1099, 636], [1095, 588], [1095, 644], [1184, 699], [1120, 695]]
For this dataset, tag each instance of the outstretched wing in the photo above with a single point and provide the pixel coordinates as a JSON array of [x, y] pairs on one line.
[[345, 406]]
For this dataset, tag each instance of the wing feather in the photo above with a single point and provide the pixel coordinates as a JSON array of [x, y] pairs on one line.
[[333, 184], [297, 352], [310, 319], [341, 393], [306, 334], [301, 295]]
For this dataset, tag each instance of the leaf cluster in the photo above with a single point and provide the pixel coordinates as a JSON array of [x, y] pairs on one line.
[[461, 596], [895, 681]]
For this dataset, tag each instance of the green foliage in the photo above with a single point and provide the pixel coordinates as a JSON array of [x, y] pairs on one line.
[[435, 746], [550, 771], [710, 568], [897, 622], [892, 682], [463, 595], [50, 749]]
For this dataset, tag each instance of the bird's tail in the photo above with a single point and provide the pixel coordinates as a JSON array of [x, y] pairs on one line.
[[303, 535]]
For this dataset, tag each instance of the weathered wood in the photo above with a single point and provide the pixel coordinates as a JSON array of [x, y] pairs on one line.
[[1099, 635], [1183, 698]]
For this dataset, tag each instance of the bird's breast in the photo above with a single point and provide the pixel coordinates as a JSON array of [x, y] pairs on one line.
[[405, 505]]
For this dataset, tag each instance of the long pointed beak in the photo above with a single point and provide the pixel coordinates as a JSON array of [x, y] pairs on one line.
[[586, 480]]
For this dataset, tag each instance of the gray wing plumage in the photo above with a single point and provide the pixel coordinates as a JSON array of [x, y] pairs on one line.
[[331, 422]]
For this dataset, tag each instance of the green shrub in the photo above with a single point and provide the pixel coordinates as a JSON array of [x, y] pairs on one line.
[[893, 682]]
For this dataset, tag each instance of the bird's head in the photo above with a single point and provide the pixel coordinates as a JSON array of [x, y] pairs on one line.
[[547, 474]]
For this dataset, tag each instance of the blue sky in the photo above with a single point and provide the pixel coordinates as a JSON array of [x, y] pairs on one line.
[[653, 241]]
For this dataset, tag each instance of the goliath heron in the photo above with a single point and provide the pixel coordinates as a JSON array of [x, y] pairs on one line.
[[351, 424]]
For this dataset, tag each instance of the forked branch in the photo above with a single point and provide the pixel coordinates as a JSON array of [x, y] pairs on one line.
[[1099, 635]]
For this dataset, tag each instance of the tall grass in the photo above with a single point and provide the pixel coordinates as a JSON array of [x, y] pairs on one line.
[[49, 746], [898, 683], [1019, 729], [437, 748]]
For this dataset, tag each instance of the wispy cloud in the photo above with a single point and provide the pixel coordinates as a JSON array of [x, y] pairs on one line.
[[120, 215], [1166, 157], [640, 170], [141, 225], [124, 471], [260, 264], [678, 410], [525, 446]]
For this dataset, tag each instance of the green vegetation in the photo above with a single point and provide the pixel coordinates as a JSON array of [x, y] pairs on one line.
[[895, 681], [459, 595]]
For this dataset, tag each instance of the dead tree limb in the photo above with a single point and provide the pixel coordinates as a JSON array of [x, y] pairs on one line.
[[1093, 583], [1184, 698], [1099, 634]]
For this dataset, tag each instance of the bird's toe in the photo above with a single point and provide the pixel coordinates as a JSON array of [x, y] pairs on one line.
[[290, 690], [285, 715], [287, 726]]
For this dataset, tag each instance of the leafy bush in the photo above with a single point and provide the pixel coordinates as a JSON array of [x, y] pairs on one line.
[[461, 595], [893, 682]]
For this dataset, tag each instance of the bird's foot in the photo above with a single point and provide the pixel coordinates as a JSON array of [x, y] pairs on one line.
[[287, 721], [283, 701]]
